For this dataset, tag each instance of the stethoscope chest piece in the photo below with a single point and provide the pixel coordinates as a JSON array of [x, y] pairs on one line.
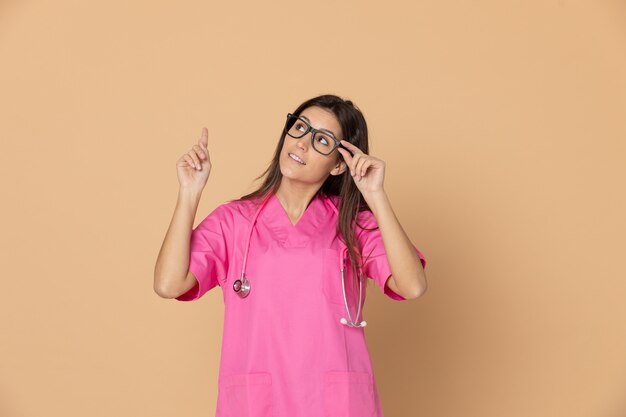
[[242, 287]]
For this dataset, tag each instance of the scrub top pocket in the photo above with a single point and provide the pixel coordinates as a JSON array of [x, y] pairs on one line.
[[247, 395], [349, 394]]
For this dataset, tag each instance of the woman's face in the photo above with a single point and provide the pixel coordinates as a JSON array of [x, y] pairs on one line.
[[316, 166]]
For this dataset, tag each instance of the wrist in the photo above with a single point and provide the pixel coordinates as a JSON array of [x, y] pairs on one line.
[[376, 199], [188, 193]]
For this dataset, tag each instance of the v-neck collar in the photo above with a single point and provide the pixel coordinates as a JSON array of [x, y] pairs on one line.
[[284, 215], [305, 232]]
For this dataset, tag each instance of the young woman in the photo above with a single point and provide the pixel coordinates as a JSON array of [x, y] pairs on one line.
[[292, 259]]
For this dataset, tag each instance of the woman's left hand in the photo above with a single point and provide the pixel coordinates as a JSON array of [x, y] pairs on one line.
[[367, 171]]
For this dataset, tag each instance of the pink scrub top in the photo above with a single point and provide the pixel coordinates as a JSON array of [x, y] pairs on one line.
[[284, 351]]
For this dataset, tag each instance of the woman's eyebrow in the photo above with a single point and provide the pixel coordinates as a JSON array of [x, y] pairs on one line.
[[326, 130]]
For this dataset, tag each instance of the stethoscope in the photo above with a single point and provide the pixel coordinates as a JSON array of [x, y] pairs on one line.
[[242, 285]]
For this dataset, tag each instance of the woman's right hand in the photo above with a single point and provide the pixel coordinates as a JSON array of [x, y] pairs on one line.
[[194, 167]]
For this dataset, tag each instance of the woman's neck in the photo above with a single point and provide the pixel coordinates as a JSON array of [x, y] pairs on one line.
[[295, 199]]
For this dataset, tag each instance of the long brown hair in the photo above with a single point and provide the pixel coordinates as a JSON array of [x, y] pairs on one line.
[[351, 202]]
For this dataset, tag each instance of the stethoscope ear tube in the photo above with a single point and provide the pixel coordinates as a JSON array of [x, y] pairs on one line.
[[351, 323]]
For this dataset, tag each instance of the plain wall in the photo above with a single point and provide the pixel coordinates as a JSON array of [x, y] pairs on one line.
[[503, 128]]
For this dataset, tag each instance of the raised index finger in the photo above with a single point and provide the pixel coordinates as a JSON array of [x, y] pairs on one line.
[[204, 138]]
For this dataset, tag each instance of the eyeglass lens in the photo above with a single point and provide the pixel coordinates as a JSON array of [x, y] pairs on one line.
[[323, 142]]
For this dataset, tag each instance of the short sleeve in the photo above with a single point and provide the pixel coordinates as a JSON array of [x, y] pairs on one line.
[[376, 265], [208, 254]]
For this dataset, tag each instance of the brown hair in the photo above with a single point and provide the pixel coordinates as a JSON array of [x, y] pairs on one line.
[[354, 131]]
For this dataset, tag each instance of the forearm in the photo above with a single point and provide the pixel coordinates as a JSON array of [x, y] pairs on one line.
[[406, 266], [172, 262]]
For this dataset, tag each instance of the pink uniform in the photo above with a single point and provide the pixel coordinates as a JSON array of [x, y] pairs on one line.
[[284, 351]]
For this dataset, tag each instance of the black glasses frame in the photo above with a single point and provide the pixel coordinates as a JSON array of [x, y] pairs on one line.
[[310, 128]]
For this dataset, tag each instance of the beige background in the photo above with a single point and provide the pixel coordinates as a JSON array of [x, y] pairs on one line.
[[502, 125]]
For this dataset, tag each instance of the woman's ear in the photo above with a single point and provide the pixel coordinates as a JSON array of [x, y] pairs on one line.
[[339, 168]]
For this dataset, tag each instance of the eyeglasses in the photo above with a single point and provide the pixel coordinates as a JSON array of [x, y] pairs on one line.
[[323, 141]]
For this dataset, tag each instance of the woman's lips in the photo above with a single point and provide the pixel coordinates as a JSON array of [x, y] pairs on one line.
[[295, 160]]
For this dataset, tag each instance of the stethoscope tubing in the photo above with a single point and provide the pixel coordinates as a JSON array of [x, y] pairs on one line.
[[242, 285]]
